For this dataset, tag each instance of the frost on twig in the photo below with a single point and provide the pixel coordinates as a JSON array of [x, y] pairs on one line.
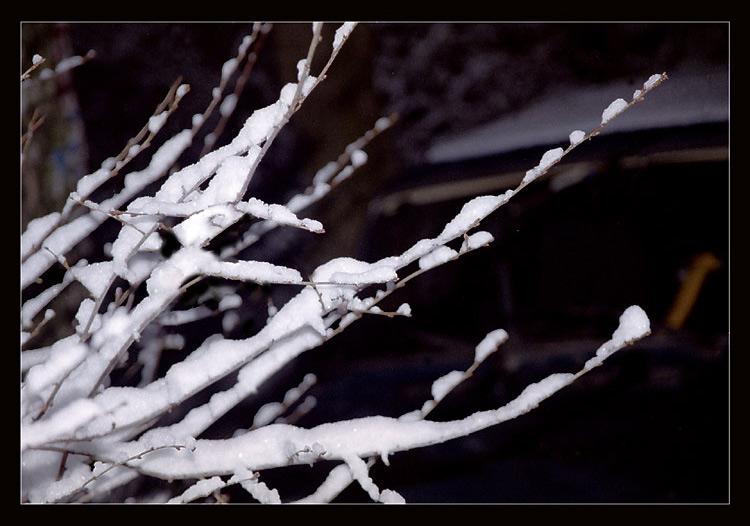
[[86, 432]]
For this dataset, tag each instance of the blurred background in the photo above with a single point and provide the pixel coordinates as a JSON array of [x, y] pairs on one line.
[[638, 215]]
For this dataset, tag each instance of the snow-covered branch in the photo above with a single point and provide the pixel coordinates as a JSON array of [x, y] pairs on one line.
[[84, 432]]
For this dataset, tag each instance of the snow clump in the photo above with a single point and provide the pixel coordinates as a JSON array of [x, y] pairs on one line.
[[549, 158], [576, 137], [613, 110], [489, 344]]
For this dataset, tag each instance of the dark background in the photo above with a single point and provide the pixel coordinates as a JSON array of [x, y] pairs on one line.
[[651, 425]]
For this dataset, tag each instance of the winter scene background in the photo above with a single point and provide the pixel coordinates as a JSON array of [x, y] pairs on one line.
[[374, 262]]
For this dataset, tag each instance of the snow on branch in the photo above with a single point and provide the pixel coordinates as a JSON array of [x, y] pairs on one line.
[[275, 445], [86, 432]]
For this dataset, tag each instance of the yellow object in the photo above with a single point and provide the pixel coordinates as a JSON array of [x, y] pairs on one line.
[[684, 302]]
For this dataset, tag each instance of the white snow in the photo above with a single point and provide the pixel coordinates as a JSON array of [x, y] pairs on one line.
[[180, 317], [358, 157], [112, 422], [342, 33], [302, 67], [84, 312], [358, 467], [261, 123], [200, 489], [634, 324], [350, 271], [203, 226], [259, 490], [230, 178], [382, 123], [229, 321], [247, 40], [489, 344], [67, 236], [62, 423], [267, 414], [534, 393], [89, 183], [63, 356], [190, 261], [437, 257], [471, 214], [36, 230], [443, 385], [352, 440], [652, 81], [389, 496], [38, 466], [549, 158], [170, 274], [228, 104], [95, 276], [279, 214], [576, 137], [33, 306], [156, 122], [113, 326], [228, 68], [404, 310], [230, 301], [616, 107], [68, 63], [478, 239], [256, 271]]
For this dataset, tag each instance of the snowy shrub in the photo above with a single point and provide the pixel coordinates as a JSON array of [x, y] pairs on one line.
[[90, 426]]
